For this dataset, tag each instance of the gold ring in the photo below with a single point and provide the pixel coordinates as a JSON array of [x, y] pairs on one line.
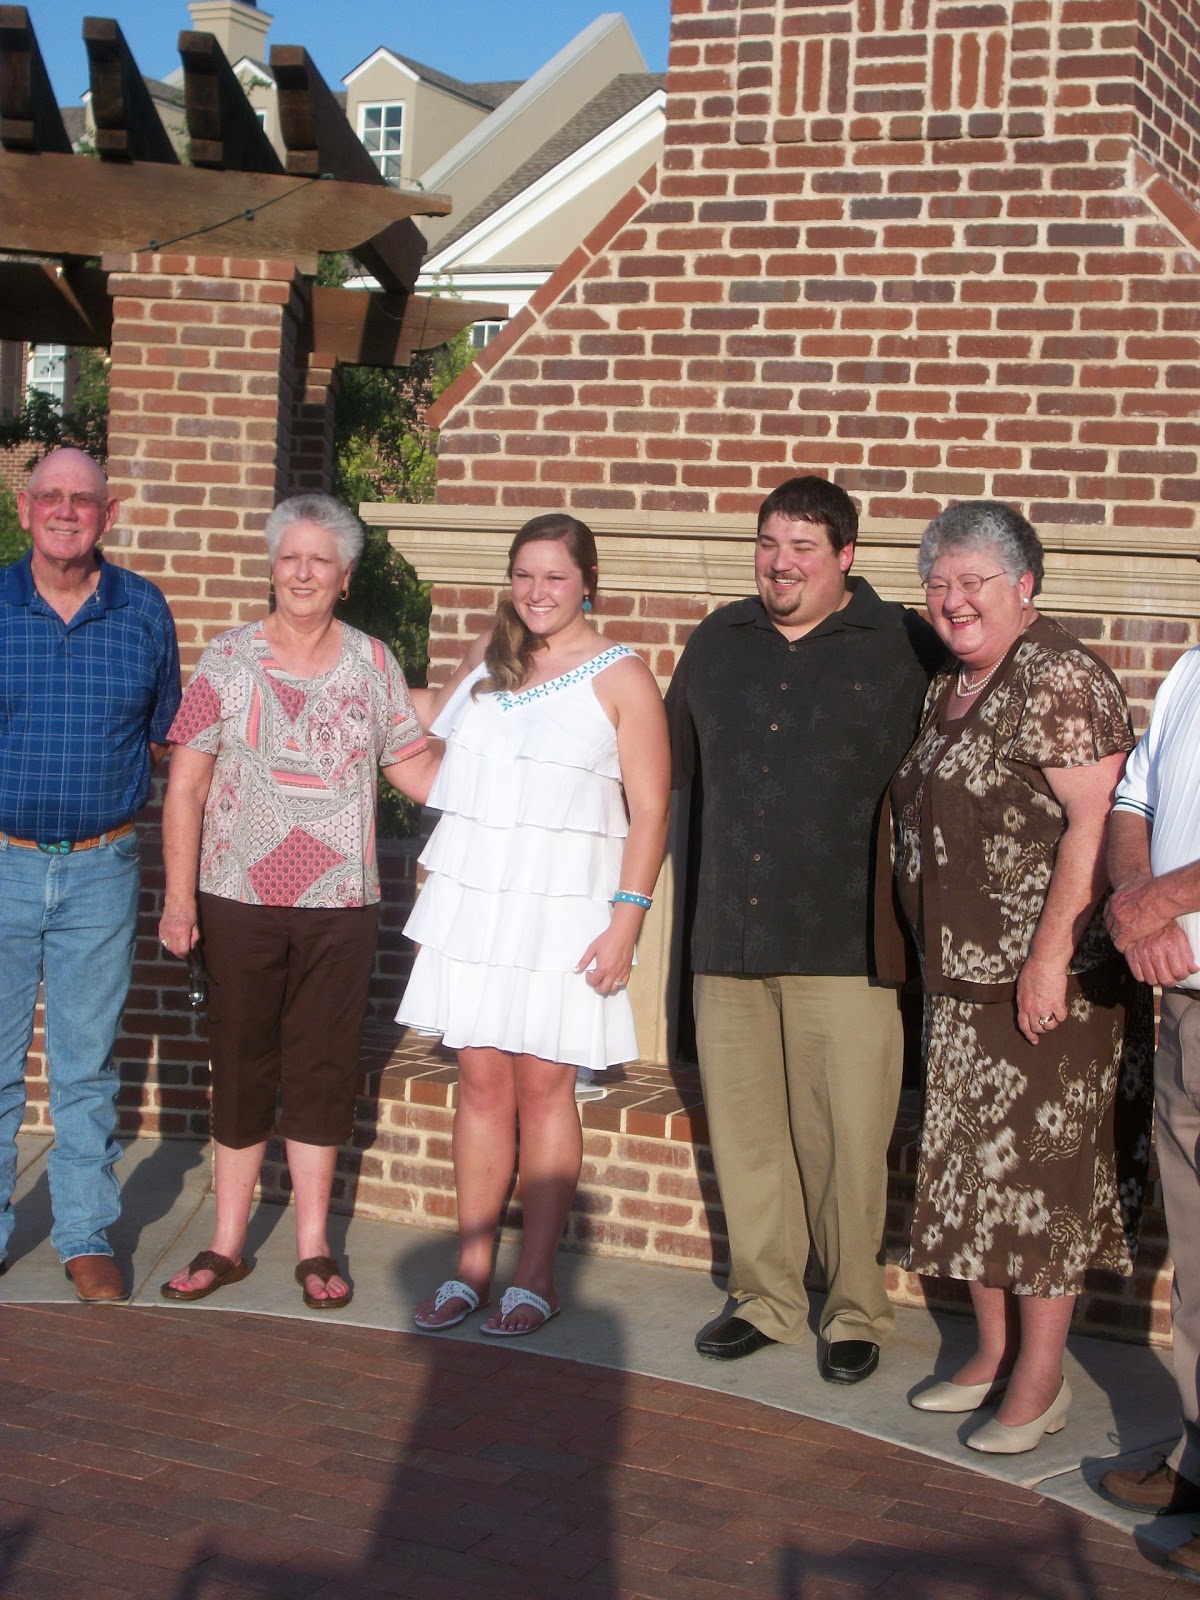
[[1046, 1021]]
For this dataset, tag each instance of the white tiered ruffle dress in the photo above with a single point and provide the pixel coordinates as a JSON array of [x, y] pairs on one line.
[[520, 872]]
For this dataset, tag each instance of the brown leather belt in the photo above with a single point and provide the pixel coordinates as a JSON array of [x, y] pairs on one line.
[[66, 847]]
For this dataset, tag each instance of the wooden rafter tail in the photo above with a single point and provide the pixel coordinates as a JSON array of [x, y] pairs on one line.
[[317, 137], [222, 125], [128, 127], [54, 304], [320, 142], [365, 329], [29, 114]]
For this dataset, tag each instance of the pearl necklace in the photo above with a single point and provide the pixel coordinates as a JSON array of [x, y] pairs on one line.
[[967, 690]]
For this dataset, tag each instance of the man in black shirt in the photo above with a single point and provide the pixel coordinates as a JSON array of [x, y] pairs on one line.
[[792, 710]]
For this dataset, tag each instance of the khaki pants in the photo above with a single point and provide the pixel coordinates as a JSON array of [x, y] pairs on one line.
[[801, 1080], [1177, 1137]]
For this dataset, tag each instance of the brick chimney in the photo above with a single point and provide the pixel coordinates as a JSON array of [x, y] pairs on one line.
[[932, 249]]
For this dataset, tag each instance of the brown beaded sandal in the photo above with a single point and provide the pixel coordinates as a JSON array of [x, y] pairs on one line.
[[323, 1267], [225, 1271]]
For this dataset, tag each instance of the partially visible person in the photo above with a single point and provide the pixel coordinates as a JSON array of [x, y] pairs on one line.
[[89, 683], [792, 710], [1036, 1132], [554, 796], [269, 844], [1154, 918]]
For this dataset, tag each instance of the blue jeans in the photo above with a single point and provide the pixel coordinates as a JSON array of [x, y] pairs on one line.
[[69, 922]]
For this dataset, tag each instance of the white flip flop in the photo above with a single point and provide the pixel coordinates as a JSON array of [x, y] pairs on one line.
[[509, 1301], [452, 1289]]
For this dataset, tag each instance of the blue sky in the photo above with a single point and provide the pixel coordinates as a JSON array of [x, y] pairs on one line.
[[471, 39]]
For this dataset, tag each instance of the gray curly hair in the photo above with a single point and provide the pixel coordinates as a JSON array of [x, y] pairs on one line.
[[984, 525], [325, 512]]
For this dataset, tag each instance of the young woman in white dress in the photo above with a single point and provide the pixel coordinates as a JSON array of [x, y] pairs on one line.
[[554, 793]]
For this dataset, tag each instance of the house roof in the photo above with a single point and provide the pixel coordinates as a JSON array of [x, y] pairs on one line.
[[485, 95], [160, 89], [627, 90]]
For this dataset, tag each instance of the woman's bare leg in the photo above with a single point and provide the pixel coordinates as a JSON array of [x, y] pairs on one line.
[[311, 1167], [998, 1334], [1037, 1376], [551, 1154], [235, 1173], [485, 1146]]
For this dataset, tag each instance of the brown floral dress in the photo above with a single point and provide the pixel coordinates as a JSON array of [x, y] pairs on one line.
[[1033, 1157]]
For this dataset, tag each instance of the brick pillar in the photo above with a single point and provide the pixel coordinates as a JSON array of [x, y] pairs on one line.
[[311, 454], [203, 387], [203, 439]]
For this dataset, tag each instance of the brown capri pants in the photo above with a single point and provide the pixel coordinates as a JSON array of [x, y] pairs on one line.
[[287, 994]]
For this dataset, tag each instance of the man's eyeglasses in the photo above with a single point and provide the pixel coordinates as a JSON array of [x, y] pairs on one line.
[[969, 583], [79, 500]]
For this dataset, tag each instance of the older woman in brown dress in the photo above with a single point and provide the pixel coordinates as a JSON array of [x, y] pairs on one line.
[[1038, 1042]]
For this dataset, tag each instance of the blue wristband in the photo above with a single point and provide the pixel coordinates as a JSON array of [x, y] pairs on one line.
[[628, 898]]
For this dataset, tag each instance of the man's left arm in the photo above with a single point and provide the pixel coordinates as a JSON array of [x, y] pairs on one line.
[[166, 689]]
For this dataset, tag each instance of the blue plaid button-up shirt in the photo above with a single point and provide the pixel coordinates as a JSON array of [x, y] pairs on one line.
[[80, 703]]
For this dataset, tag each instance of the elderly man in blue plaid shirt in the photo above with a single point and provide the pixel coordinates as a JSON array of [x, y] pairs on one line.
[[89, 684]]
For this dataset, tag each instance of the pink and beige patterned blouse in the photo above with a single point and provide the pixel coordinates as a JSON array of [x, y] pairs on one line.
[[290, 814]]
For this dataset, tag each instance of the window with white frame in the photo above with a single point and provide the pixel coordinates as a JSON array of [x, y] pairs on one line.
[[483, 332], [381, 129], [47, 371]]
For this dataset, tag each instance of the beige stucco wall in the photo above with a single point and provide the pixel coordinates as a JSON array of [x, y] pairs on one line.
[[546, 244], [434, 121], [518, 135]]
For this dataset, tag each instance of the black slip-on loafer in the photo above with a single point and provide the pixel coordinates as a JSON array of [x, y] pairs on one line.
[[732, 1339], [849, 1360]]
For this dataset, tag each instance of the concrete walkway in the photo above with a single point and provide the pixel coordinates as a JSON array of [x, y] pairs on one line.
[[229, 1449]]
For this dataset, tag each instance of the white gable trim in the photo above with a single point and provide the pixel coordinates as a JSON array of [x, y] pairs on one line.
[[382, 54], [436, 178], [641, 128]]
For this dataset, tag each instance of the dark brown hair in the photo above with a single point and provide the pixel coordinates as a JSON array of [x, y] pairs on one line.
[[813, 499], [511, 648]]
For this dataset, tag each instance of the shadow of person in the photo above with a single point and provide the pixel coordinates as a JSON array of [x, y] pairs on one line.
[[448, 1463], [1044, 1558], [151, 1190]]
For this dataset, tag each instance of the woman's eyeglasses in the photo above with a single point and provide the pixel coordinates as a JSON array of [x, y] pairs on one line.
[[969, 583]]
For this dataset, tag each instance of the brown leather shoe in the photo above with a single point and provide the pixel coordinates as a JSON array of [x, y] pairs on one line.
[[1157, 1489], [97, 1279]]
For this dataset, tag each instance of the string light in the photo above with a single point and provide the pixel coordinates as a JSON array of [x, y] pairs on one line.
[[246, 215]]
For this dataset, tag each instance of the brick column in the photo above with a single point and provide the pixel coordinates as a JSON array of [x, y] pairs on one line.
[[310, 466]]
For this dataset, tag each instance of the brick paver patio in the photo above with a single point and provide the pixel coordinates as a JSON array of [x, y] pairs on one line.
[[206, 1455]]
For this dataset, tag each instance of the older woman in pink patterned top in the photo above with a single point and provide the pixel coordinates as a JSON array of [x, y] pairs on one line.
[[269, 844]]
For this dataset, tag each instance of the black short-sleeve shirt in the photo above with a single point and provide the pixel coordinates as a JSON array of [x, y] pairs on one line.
[[794, 743]]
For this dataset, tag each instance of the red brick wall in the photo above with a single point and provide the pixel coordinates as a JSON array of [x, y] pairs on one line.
[[905, 243]]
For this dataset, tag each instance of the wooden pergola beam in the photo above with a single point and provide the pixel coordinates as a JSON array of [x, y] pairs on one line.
[[319, 140], [128, 127], [29, 114], [46, 303], [222, 125], [380, 330], [41, 303], [142, 205]]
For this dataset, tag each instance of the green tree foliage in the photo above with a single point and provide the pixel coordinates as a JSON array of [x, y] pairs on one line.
[[384, 450], [43, 427], [14, 541]]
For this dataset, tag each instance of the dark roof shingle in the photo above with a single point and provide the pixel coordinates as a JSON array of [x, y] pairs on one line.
[[627, 90]]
